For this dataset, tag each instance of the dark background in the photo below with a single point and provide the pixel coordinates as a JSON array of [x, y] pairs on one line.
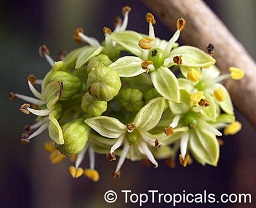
[[28, 179]]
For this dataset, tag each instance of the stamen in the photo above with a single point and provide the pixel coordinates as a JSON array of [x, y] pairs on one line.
[[184, 161], [61, 55], [204, 103], [44, 52], [122, 157], [233, 128], [117, 145], [219, 94], [210, 128], [169, 131], [76, 172], [131, 127], [180, 24], [171, 42], [194, 75], [92, 158], [184, 145], [12, 96], [220, 142], [49, 146], [24, 138], [177, 60], [25, 108], [157, 144], [106, 31], [110, 156], [117, 174], [236, 73], [35, 92], [79, 37], [144, 43], [29, 99], [32, 79], [80, 156], [92, 174], [36, 133], [117, 22], [151, 20], [125, 11], [196, 97], [39, 123], [145, 64], [210, 49], [143, 148], [56, 157]]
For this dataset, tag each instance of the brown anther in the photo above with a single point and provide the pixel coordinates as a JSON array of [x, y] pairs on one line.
[[130, 127], [61, 55], [117, 20], [25, 141], [180, 24], [157, 144], [177, 60], [12, 96], [32, 79], [150, 18], [43, 50], [34, 106], [126, 9], [117, 174], [110, 156], [24, 138], [169, 131], [106, 31], [191, 125], [210, 49], [184, 161], [76, 36], [145, 64], [27, 129], [23, 108], [204, 103], [171, 163], [220, 142], [144, 43], [61, 88]]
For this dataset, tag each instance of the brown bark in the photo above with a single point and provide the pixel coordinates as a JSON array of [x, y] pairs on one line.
[[204, 27]]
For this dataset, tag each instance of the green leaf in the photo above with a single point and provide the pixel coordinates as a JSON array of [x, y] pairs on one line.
[[166, 84], [129, 40], [88, 53], [211, 112], [184, 105], [55, 131], [107, 126], [204, 147], [148, 117], [128, 66], [191, 56], [186, 84]]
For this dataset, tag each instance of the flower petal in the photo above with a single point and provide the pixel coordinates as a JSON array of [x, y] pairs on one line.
[[148, 117], [166, 84], [106, 126]]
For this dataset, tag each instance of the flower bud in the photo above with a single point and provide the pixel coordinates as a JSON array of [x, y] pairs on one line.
[[131, 99], [103, 83], [69, 84], [150, 94], [75, 134], [98, 61], [92, 106]]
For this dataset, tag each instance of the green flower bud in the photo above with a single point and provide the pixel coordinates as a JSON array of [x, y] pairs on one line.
[[67, 84], [131, 99], [103, 83], [75, 134], [150, 94], [98, 61], [92, 106]]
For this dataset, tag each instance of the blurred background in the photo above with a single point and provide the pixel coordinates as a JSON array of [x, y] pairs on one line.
[[27, 177]]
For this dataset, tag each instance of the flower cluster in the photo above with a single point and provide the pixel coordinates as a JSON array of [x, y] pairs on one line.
[[157, 101]]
